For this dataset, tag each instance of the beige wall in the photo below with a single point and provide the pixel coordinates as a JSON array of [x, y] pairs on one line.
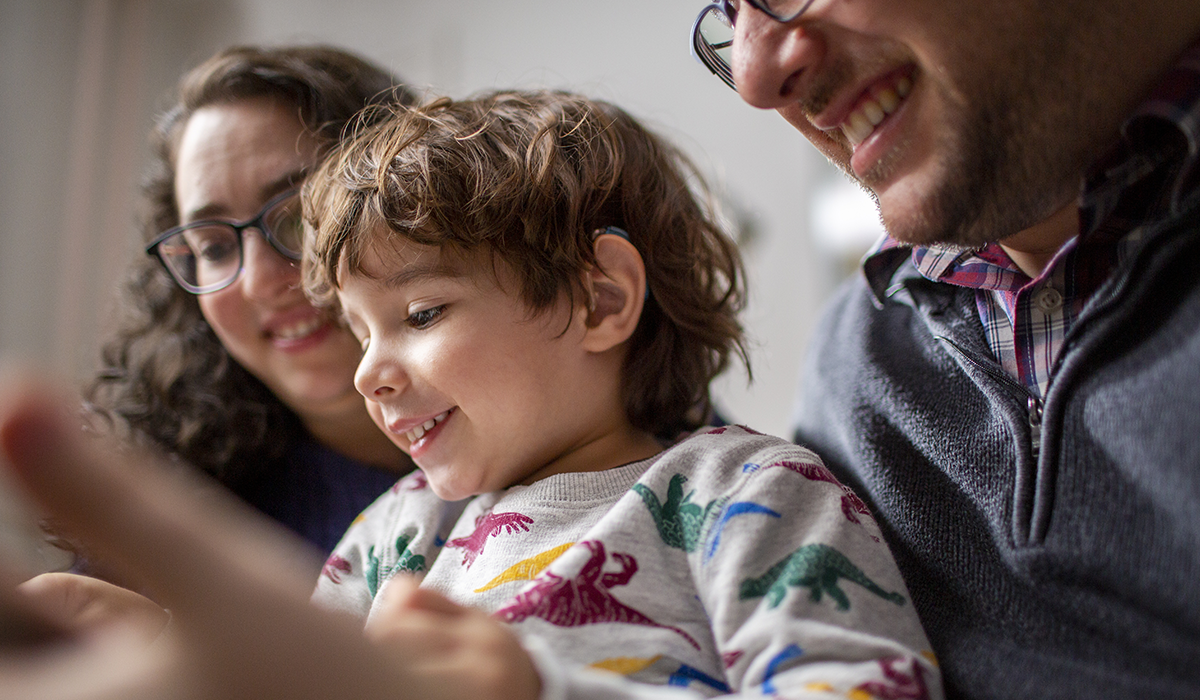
[[80, 80]]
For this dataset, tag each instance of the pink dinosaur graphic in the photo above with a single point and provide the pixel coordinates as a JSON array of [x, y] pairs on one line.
[[729, 658], [585, 600], [725, 428], [413, 482], [334, 567], [903, 686], [488, 525], [852, 505]]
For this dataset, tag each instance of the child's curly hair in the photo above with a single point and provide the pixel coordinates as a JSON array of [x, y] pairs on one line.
[[532, 176]]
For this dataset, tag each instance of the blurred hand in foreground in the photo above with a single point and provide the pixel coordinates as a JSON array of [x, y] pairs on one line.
[[242, 625]]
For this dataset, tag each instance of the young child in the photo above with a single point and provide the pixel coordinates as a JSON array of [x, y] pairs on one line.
[[542, 303]]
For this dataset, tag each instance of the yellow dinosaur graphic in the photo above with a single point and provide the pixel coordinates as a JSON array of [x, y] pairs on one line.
[[625, 665], [527, 569]]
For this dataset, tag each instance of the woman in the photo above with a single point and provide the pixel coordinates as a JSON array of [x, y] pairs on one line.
[[240, 376]]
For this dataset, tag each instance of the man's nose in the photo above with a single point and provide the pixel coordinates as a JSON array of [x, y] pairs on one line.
[[769, 58]]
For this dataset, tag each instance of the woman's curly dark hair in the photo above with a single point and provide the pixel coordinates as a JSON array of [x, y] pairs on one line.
[[165, 379], [532, 176]]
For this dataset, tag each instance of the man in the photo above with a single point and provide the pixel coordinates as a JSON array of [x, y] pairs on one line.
[[1010, 383]]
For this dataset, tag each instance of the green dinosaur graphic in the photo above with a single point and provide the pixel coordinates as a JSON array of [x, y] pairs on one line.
[[680, 522], [818, 568], [406, 562]]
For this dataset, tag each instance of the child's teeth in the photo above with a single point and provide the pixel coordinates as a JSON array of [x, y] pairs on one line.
[[419, 432]]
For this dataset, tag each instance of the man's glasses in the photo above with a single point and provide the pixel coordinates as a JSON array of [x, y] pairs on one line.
[[712, 32], [206, 256]]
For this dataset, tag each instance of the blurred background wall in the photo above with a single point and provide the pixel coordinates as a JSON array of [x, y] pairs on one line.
[[80, 81]]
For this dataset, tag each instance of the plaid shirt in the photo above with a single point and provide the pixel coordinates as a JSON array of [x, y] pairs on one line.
[[1141, 179]]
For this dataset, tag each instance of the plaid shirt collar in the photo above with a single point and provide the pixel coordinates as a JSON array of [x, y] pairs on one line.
[[1147, 175]]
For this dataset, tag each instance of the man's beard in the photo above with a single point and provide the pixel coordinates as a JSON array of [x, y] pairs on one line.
[[997, 178], [1008, 160]]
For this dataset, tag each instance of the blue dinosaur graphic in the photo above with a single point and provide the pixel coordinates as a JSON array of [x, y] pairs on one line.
[[788, 653], [683, 524], [733, 509], [817, 567], [686, 674]]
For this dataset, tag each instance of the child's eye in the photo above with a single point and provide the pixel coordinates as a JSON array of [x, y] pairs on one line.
[[425, 317]]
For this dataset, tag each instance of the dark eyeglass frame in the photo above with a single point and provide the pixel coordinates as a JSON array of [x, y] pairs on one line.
[[258, 221], [705, 52]]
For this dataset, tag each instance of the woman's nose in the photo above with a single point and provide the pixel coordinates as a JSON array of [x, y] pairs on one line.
[[770, 56], [266, 274]]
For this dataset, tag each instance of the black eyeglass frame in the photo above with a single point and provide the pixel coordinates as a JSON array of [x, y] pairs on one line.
[[705, 53], [258, 221]]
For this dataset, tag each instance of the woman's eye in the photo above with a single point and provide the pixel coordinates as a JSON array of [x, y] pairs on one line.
[[425, 317], [217, 251]]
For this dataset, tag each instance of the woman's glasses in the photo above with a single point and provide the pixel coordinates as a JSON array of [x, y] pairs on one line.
[[206, 256], [712, 32]]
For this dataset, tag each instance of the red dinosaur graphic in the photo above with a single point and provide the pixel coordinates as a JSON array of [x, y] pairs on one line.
[[729, 658], [488, 525], [852, 505], [724, 428], [334, 567], [413, 482], [903, 686], [585, 600]]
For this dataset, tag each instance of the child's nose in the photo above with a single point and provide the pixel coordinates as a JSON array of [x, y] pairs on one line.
[[379, 376]]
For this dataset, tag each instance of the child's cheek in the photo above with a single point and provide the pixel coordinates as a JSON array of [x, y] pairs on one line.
[[376, 414]]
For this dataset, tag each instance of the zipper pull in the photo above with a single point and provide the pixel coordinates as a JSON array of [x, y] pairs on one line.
[[1035, 426]]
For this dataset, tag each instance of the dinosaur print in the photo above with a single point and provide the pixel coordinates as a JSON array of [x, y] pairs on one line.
[[729, 658], [527, 569], [903, 685], [818, 568], [852, 505], [488, 525], [725, 428], [683, 524], [334, 567], [788, 653], [415, 481], [586, 599], [680, 522], [406, 561], [740, 508], [625, 665], [686, 674]]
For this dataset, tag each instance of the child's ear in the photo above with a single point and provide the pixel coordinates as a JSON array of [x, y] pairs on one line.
[[616, 289]]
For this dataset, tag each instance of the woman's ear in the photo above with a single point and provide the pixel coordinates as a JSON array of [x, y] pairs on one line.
[[616, 289]]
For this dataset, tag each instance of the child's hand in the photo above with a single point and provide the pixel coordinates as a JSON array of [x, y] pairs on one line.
[[450, 651]]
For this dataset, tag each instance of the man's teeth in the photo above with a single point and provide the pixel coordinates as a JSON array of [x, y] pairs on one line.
[[419, 432], [862, 121], [299, 330]]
